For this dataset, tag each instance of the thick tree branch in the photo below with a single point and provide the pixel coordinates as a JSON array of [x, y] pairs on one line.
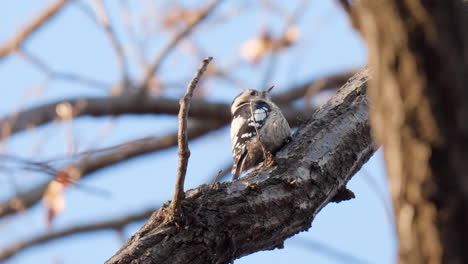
[[225, 221], [182, 136], [126, 104], [15, 42]]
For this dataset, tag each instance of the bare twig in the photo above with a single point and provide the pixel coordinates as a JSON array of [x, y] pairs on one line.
[[221, 174], [16, 41], [153, 67], [381, 195], [116, 224], [104, 20], [182, 137], [335, 253], [291, 19], [346, 6], [66, 76]]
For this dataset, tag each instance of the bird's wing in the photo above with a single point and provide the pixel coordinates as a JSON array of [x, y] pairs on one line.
[[245, 122]]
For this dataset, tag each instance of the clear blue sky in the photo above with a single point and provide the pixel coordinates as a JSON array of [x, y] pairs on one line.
[[72, 43]]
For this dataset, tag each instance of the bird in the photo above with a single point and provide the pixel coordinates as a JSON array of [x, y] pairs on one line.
[[258, 129]]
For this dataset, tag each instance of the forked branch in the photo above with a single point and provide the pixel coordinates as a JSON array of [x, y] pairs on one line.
[[182, 138]]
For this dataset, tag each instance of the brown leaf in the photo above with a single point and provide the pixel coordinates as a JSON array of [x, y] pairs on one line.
[[177, 16], [254, 49], [291, 36], [53, 200], [64, 111]]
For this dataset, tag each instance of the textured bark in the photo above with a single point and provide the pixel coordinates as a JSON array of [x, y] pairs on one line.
[[419, 53], [222, 222]]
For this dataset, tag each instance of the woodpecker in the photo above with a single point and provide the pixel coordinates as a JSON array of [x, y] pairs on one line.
[[258, 129]]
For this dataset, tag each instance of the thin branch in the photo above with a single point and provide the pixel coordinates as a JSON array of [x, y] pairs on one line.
[[182, 137], [66, 76], [154, 66], [16, 41], [381, 195], [346, 6], [291, 19], [296, 92], [113, 224], [73, 77], [221, 174], [331, 252], [104, 20]]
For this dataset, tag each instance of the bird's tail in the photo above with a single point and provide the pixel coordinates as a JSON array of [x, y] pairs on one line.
[[237, 168]]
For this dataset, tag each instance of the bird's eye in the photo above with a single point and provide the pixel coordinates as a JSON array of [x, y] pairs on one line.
[[252, 93]]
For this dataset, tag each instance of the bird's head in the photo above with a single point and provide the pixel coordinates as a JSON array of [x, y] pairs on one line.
[[248, 96]]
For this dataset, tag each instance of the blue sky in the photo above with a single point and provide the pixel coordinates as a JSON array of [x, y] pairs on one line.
[[361, 227]]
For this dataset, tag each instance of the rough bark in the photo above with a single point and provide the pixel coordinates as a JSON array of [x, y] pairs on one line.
[[222, 222], [419, 53]]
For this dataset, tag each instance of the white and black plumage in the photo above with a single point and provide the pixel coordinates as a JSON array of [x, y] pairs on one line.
[[253, 112]]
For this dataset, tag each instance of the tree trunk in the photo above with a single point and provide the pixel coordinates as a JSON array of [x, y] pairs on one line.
[[418, 51], [222, 222]]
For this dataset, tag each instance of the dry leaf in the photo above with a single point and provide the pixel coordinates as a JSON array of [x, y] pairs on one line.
[[64, 111], [53, 200], [291, 36], [178, 16], [255, 48]]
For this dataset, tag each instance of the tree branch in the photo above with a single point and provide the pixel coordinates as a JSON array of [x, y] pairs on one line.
[[15, 42], [89, 164], [125, 104], [182, 137], [225, 221], [116, 224], [150, 71], [103, 19]]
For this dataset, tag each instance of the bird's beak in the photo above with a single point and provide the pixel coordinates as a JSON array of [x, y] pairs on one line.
[[269, 89]]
